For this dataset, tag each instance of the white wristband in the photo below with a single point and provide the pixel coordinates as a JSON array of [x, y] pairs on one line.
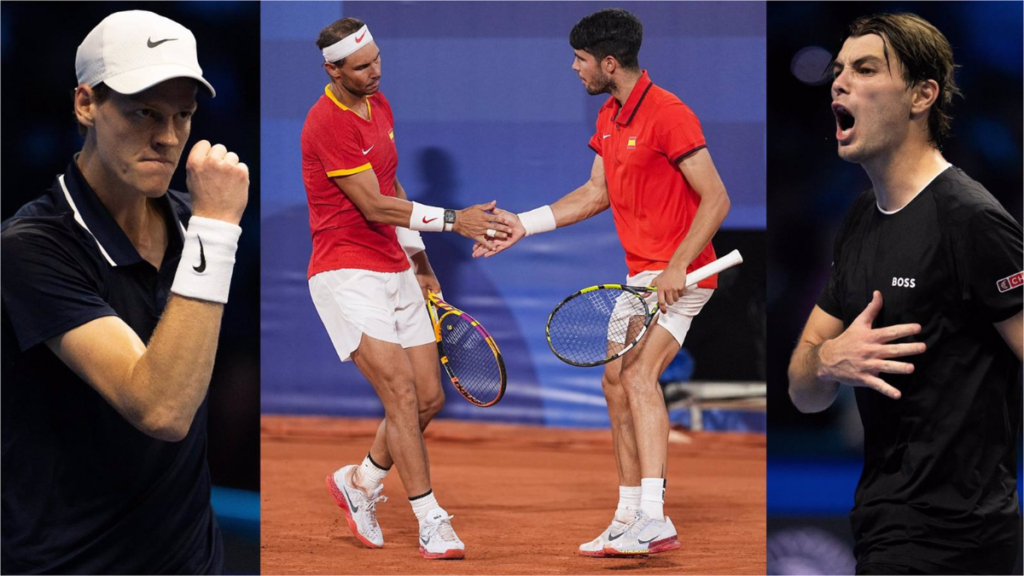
[[410, 240], [207, 260], [538, 220], [426, 218]]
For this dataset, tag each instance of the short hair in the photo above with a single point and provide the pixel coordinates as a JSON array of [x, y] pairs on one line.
[[336, 31], [609, 32], [100, 92], [925, 54]]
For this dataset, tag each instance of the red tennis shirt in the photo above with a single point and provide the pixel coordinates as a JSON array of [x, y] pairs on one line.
[[337, 142], [641, 144]]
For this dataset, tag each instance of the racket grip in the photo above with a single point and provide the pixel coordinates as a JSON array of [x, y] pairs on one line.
[[725, 262]]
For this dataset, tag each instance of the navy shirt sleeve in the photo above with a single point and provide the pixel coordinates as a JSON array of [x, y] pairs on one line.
[[829, 300], [49, 285], [991, 258]]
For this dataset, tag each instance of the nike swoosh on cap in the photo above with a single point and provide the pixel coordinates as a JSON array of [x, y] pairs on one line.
[[151, 44]]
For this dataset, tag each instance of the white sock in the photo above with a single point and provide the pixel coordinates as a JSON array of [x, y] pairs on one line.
[[370, 475], [629, 502], [422, 505], [652, 497]]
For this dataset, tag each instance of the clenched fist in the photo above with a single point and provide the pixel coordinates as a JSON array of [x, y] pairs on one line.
[[218, 182]]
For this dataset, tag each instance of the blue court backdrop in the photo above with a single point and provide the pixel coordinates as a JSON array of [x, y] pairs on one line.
[[487, 107]]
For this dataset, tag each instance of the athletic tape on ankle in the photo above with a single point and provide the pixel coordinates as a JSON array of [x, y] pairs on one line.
[[207, 260], [410, 240], [538, 220], [426, 218]]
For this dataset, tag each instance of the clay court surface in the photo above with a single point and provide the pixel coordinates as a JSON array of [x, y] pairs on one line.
[[523, 498]]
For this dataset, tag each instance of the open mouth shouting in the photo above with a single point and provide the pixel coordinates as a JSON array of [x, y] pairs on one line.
[[845, 121]]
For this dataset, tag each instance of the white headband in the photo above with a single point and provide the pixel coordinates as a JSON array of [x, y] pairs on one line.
[[346, 46]]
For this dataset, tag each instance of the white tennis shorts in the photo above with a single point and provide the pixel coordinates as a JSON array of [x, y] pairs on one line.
[[679, 316], [383, 305]]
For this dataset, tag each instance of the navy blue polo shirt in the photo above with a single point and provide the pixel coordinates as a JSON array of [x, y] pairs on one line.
[[84, 491]]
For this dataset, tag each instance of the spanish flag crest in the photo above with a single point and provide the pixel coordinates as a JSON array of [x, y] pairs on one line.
[[631, 143]]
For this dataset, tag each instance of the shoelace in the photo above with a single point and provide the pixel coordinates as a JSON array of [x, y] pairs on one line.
[[636, 526], [371, 506], [444, 529]]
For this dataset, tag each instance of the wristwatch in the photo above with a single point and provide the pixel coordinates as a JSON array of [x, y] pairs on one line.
[[449, 220]]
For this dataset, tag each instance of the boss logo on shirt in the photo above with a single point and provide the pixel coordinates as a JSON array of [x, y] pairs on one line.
[[904, 282], [1010, 282], [631, 143]]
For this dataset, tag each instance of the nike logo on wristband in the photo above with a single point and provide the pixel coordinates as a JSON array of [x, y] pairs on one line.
[[425, 221], [202, 257]]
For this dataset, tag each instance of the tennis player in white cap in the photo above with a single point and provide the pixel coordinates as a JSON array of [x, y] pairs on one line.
[[113, 291]]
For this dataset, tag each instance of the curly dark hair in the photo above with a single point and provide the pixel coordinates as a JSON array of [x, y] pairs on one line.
[[609, 32]]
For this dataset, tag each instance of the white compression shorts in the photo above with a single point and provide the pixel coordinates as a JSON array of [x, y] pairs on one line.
[[679, 316], [383, 305]]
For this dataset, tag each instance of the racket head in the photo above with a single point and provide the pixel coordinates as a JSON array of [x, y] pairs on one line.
[[599, 324], [469, 354]]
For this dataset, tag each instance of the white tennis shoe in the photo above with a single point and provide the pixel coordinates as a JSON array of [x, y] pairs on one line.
[[595, 548], [437, 537], [360, 509], [643, 535]]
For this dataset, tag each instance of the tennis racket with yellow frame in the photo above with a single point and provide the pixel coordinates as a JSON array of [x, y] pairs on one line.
[[468, 353]]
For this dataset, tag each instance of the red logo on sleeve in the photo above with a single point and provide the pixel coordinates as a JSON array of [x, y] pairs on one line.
[[1010, 282], [360, 39]]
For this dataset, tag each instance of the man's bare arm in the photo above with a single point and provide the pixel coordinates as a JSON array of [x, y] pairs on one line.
[[1012, 331], [158, 388], [699, 170], [364, 191]]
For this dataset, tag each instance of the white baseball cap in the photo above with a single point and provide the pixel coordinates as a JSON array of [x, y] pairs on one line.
[[135, 50]]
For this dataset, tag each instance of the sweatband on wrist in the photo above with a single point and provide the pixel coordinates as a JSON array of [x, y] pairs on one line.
[[207, 260], [538, 220], [410, 240], [348, 45], [426, 218]]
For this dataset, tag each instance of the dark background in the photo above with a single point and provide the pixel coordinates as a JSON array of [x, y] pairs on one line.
[[815, 460], [39, 42]]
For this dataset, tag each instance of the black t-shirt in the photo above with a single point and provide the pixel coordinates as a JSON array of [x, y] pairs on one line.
[[939, 487], [83, 490]]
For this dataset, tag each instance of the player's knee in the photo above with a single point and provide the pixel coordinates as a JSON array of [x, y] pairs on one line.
[[401, 396], [431, 405], [611, 384], [634, 379]]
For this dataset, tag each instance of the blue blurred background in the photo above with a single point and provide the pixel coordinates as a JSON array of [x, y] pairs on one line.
[[40, 135], [487, 107], [814, 461]]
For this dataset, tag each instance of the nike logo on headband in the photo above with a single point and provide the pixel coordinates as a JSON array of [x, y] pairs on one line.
[[151, 44], [360, 39]]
